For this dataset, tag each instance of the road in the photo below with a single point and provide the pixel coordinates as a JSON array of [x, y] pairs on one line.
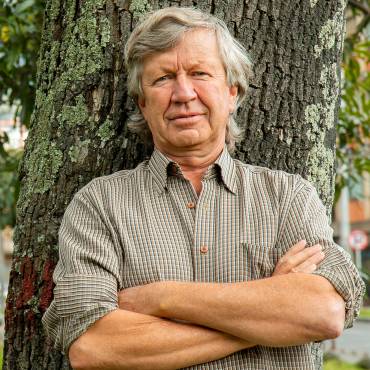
[[353, 344]]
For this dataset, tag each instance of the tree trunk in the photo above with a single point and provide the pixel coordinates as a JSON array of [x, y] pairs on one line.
[[79, 132]]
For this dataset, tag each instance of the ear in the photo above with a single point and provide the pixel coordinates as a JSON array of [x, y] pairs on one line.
[[233, 93], [141, 102], [142, 106]]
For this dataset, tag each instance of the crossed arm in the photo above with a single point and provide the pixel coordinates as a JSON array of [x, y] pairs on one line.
[[286, 309]]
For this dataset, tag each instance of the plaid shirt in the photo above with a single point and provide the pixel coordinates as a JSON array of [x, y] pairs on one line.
[[140, 226]]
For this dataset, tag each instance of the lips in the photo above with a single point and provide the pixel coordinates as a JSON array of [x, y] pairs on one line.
[[184, 115], [185, 120]]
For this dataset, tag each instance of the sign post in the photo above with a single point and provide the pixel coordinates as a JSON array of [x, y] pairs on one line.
[[358, 241]]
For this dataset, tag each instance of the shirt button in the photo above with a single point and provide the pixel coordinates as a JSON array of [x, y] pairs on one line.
[[191, 205], [203, 249]]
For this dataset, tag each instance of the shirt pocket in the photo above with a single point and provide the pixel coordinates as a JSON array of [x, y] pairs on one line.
[[260, 260]]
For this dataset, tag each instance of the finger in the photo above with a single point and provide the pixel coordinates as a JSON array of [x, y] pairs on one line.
[[308, 269], [300, 254], [287, 263], [315, 259], [296, 248], [303, 255]]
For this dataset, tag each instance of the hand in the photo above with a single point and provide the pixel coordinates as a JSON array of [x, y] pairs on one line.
[[299, 259]]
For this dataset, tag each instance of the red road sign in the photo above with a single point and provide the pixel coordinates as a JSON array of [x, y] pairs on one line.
[[358, 240]]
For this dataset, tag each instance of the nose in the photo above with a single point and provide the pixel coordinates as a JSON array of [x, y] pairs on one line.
[[183, 90]]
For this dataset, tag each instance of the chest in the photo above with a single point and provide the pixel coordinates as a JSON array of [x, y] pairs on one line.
[[219, 236]]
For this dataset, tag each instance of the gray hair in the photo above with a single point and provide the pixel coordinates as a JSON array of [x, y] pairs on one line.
[[162, 30]]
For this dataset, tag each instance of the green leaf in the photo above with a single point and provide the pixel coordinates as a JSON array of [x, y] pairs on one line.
[[24, 5]]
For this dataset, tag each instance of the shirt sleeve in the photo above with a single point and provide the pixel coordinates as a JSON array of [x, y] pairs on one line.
[[307, 220], [87, 274]]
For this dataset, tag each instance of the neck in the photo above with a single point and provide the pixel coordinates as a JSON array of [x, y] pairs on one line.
[[194, 163]]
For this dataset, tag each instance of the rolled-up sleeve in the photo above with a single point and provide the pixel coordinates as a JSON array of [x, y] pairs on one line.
[[87, 274], [309, 214]]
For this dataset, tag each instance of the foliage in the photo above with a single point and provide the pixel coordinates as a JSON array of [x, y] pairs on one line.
[[9, 188], [20, 34], [353, 131]]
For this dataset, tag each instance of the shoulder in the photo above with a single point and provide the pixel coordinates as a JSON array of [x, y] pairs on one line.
[[279, 180], [114, 183]]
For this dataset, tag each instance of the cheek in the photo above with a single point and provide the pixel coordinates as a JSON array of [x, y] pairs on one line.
[[153, 112], [156, 100], [160, 103], [213, 97]]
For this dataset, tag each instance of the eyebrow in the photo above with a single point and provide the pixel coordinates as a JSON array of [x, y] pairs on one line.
[[168, 69]]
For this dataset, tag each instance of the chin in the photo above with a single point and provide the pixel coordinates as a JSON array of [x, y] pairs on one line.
[[186, 142], [191, 137]]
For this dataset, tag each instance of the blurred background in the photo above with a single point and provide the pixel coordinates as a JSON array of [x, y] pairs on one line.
[[20, 33]]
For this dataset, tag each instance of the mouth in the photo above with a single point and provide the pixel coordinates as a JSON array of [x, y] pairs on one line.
[[188, 118]]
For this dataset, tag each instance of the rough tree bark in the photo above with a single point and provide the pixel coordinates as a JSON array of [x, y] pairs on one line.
[[79, 124]]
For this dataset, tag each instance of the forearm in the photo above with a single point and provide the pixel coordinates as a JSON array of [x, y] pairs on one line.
[[128, 340], [280, 311]]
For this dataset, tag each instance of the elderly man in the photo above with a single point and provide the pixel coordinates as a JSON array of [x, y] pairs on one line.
[[187, 260]]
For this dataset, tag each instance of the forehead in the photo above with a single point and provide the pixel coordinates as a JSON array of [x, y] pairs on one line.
[[196, 47]]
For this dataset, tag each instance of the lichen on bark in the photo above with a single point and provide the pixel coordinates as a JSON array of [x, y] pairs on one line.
[[139, 7], [320, 120], [79, 152], [105, 132], [331, 32], [76, 114]]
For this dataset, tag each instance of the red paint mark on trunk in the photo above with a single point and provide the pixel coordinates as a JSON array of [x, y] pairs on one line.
[[28, 283], [48, 286], [30, 318], [10, 308]]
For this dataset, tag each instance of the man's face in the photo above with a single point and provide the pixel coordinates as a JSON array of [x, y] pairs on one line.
[[187, 101]]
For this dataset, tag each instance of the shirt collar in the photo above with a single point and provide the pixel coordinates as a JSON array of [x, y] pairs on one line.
[[162, 167], [158, 166], [228, 170]]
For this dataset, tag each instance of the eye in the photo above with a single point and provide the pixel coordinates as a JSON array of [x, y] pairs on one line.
[[200, 73], [163, 78]]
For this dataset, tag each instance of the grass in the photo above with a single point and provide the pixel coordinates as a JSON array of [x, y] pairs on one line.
[[365, 312], [334, 364]]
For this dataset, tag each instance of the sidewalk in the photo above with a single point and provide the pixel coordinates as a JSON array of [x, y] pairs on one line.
[[354, 344]]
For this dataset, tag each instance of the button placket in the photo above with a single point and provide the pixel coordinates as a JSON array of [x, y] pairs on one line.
[[204, 232], [182, 193]]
